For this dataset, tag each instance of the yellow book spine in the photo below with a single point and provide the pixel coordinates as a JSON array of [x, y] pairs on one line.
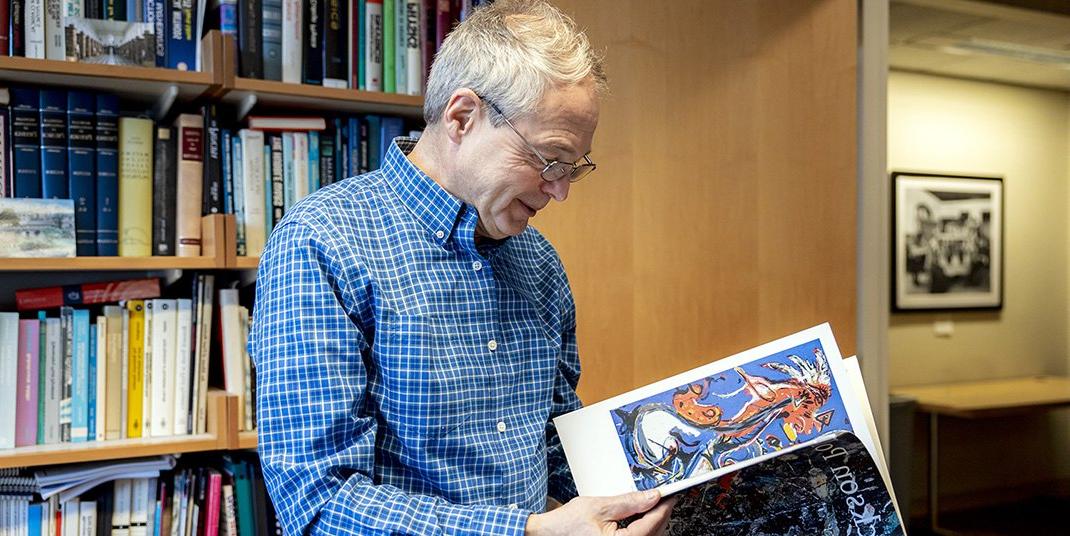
[[135, 187], [135, 367]]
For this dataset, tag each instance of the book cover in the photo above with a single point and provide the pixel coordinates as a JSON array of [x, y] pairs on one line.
[[87, 518], [253, 182], [269, 222], [164, 184], [373, 41], [182, 39], [107, 171], [213, 168], [53, 383], [28, 382], [401, 81], [111, 42], [55, 42], [190, 183], [17, 37], [81, 169], [113, 423], [228, 178], [98, 338], [79, 432], [238, 178], [358, 45], [251, 38], [335, 64], [26, 142], [415, 37], [66, 374], [212, 499], [372, 141], [292, 41], [200, 370], [161, 29], [164, 360], [389, 44], [135, 187], [312, 41], [120, 518], [53, 113], [278, 186], [289, 192], [313, 161], [36, 228], [135, 366], [277, 123], [353, 139], [183, 365], [300, 166], [86, 293], [9, 365], [272, 39], [327, 158], [391, 127], [34, 23], [147, 348]]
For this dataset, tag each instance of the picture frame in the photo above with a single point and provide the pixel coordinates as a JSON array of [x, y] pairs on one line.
[[947, 242]]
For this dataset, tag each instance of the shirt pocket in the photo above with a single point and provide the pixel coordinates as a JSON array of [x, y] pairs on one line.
[[421, 377]]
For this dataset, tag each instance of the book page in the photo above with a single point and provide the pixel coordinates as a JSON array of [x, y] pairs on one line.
[[715, 419]]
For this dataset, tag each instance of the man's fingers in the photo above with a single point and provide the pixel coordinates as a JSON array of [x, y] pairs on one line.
[[629, 504], [652, 523]]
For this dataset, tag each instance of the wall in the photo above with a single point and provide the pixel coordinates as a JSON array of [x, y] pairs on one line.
[[949, 125], [722, 214]]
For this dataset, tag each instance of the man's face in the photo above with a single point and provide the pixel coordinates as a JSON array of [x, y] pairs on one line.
[[504, 181]]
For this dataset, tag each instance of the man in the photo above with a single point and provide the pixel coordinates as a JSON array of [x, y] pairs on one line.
[[413, 337]]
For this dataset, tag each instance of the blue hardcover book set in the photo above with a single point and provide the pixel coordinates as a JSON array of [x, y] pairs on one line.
[[53, 113], [25, 142], [107, 168], [81, 169]]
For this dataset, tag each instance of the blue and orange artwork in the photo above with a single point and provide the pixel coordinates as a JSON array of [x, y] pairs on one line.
[[758, 408]]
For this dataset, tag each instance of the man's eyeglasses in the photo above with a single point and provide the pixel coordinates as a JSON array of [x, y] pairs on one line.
[[553, 170]]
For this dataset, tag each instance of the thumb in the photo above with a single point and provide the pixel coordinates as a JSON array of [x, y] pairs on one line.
[[629, 504]]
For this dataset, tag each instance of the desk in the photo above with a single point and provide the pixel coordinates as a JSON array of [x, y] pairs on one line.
[[971, 400]]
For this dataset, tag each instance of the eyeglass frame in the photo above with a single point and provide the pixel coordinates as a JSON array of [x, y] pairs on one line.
[[572, 175]]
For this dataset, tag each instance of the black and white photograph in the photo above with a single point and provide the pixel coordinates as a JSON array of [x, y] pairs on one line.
[[947, 242]]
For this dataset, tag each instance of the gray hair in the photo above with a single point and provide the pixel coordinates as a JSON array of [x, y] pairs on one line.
[[511, 52]]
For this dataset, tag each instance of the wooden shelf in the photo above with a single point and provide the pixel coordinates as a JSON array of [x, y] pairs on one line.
[[247, 263], [108, 264], [105, 450], [247, 440], [274, 94], [150, 81]]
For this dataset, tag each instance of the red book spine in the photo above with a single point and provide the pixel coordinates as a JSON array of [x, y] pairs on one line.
[[87, 294], [215, 486], [442, 22], [4, 43]]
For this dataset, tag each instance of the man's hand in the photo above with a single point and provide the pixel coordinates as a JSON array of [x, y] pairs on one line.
[[591, 516]]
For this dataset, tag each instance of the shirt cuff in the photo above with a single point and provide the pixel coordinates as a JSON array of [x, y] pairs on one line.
[[498, 520]]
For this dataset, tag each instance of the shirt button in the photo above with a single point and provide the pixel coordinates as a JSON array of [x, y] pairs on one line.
[[440, 234], [492, 345], [513, 506], [501, 426], [477, 266]]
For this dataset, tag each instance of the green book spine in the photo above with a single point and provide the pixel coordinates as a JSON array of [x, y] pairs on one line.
[[389, 76], [360, 44]]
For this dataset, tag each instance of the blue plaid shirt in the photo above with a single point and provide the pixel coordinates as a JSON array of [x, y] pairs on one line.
[[407, 377]]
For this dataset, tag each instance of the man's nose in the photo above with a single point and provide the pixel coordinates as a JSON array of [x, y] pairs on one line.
[[557, 189]]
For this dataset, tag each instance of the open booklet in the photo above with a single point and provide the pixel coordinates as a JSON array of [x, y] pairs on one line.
[[778, 439]]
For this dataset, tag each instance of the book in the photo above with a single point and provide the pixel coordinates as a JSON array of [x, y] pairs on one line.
[[190, 184], [25, 142], [335, 71], [81, 169], [373, 42], [292, 48], [312, 41], [87, 293], [252, 191], [212, 165], [111, 42], [16, 37], [36, 227], [55, 44], [389, 44], [28, 374], [9, 364], [413, 41], [107, 170], [53, 113], [34, 24], [52, 371], [161, 26], [182, 39], [285, 123], [272, 39], [164, 362], [147, 367], [251, 38], [66, 378], [80, 376], [113, 423], [777, 439], [135, 367], [164, 185], [135, 187]]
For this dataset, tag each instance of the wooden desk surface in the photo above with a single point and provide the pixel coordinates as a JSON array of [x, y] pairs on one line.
[[990, 397]]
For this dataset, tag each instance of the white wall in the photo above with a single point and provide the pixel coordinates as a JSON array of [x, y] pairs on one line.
[[938, 124]]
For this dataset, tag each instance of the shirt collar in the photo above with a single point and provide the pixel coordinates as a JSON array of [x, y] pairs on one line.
[[432, 205]]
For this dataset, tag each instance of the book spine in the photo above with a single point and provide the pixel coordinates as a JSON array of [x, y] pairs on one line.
[[135, 187], [5, 29], [428, 42], [81, 169], [87, 518], [391, 127], [312, 41], [291, 41], [53, 371], [86, 293], [253, 191], [66, 383], [334, 44], [53, 106], [98, 376], [42, 365], [26, 142], [147, 368], [372, 138], [401, 81], [353, 142], [289, 193], [341, 161], [34, 23], [28, 380], [190, 183], [228, 17], [327, 170], [9, 364], [164, 341], [443, 21], [124, 370], [113, 364], [300, 166], [161, 26], [211, 518], [120, 518], [415, 38], [200, 369], [182, 39], [238, 178], [139, 508], [228, 176], [80, 377], [17, 16], [213, 184], [69, 512], [313, 161], [272, 39], [359, 46], [135, 367], [164, 193], [278, 186], [373, 43], [387, 43], [107, 170], [55, 42], [183, 340], [251, 38]]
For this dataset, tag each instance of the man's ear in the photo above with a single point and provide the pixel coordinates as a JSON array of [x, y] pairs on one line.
[[462, 113]]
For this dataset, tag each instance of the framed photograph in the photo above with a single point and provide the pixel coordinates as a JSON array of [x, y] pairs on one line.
[[947, 242]]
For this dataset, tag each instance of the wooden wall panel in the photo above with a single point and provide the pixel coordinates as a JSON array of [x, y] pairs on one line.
[[723, 212]]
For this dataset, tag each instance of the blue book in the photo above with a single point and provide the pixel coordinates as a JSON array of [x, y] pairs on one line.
[[53, 107], [107, 168], [353, 145], [161, 27], [91, 385], [390, 128], [341, 167], [182, 41], [238, 179], [288, 170], [228, 173], [271, 36], [81, 169], [132, 9], [80, 377], [228, 17], [313, 161], [269, 206], [373, 137], [26, 142], [33, 520]]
